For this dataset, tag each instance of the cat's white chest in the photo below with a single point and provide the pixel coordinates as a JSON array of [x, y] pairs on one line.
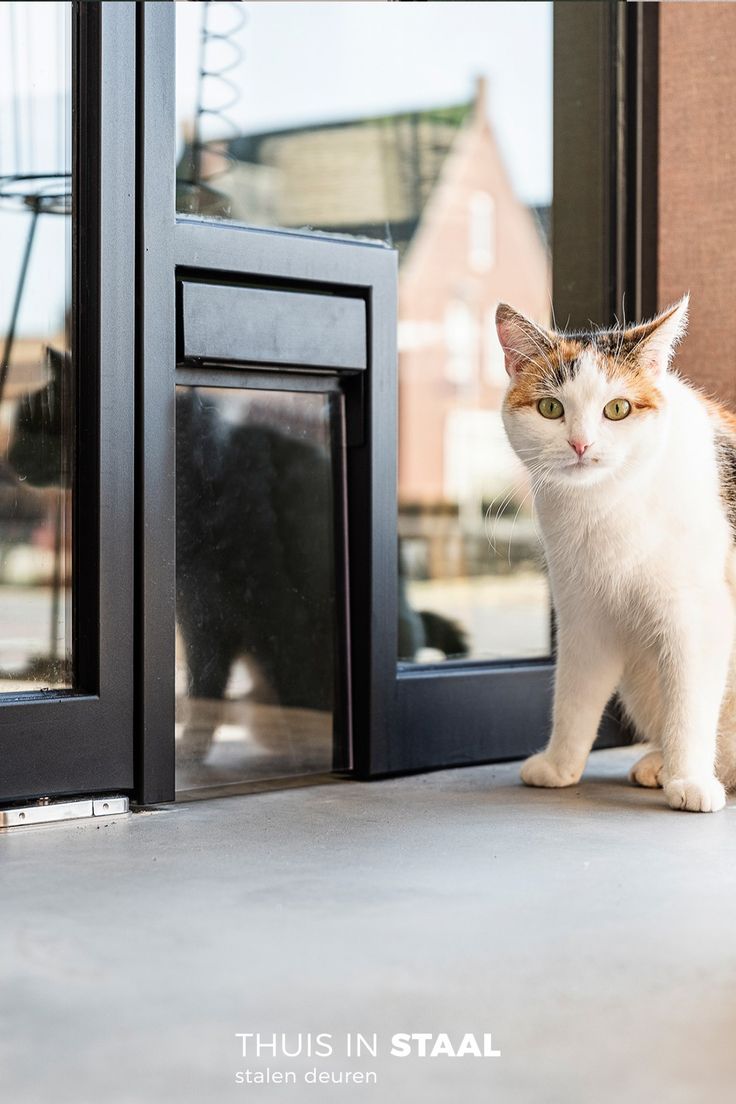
[[630, 563], [598, 554]]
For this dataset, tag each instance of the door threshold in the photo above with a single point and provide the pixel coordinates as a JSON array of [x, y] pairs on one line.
[[45, 811], [261, 785]]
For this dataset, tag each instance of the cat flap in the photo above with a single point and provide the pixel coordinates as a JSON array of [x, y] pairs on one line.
[[272, 327]]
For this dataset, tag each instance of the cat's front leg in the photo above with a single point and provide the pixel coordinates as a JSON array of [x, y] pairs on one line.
[[696, 649], [589, 668]]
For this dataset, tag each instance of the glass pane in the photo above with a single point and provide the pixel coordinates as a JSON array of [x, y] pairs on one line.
[[257, 597], [36, 412], [428, 127]]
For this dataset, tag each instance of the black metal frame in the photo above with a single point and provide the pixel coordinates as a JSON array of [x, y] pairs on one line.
[[155, 405], [604, 229], [54, 743], [244, 377], [639, 162]]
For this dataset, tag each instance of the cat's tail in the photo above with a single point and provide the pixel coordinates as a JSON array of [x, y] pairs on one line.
[[442, 633]]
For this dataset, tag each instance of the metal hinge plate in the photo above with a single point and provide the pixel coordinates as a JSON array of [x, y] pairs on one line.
[[44, 811]]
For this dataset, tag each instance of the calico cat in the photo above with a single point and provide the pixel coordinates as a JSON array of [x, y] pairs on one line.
[[634, 479]]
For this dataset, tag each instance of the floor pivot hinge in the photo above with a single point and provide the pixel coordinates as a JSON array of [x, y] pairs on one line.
[[44, 810]]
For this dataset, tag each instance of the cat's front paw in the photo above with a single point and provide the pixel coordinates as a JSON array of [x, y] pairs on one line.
[[648, 770], [697, 795], [540, 770]]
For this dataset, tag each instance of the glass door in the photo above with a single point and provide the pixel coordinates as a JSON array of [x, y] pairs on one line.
[[292, 169], [448, 159], [66, 401]]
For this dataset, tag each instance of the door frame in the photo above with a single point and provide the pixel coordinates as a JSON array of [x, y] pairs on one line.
[[406, 717]]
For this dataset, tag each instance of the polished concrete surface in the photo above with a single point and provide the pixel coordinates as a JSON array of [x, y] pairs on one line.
[[592, 931]]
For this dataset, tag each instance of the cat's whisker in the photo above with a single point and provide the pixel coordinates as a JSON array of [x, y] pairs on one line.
[[552, 310], [492, 538], [507, 497], [520, 353], [513, 523], [622, 327], [533, 490], [530, 337]]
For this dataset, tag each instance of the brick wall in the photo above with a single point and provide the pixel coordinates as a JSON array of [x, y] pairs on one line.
[[697, 184]]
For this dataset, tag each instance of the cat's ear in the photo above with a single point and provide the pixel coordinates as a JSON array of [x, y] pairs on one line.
[[521, 339], [655, 341]]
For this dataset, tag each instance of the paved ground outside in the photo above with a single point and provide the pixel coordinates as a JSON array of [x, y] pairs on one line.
[[590, 930], [504, 616]]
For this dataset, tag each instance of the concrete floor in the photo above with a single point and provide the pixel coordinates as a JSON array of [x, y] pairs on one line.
[[592, 931]]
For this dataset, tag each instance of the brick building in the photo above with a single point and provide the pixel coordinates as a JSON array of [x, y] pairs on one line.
[[433, 184]]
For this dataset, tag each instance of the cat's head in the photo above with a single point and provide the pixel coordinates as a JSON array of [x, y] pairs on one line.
[[583, 407]]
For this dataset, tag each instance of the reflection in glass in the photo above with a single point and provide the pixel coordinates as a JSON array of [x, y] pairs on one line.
[[36, 427], [256, 597], [447, 156]]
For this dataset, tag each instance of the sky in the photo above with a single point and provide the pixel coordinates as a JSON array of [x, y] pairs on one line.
[[293, 63], [299, 63], [35, 136]]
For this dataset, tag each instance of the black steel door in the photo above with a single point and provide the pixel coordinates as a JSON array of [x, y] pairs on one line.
[[66, 399], [228, 308]]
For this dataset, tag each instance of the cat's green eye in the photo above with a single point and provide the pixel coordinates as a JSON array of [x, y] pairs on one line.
[[550, 408], [617, 409]]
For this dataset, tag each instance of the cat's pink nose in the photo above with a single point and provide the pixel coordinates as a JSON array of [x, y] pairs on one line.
[[578, 445]]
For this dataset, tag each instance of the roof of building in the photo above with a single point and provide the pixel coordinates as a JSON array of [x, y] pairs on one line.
[[366, 177]]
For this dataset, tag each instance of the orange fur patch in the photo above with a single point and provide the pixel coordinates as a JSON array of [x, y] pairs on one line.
[[641, 393], [636, 386], [534, 381]]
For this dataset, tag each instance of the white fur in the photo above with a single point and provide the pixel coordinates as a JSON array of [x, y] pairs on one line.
[[643, 574]]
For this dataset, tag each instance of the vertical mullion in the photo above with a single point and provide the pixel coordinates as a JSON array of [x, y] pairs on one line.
[[585, 190], [86, 183], [605, 173], [642, 155], [373, 510], [155, 446], [115, 362]]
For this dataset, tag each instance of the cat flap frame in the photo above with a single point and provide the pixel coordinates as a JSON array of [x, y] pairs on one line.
[[306, 344]]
